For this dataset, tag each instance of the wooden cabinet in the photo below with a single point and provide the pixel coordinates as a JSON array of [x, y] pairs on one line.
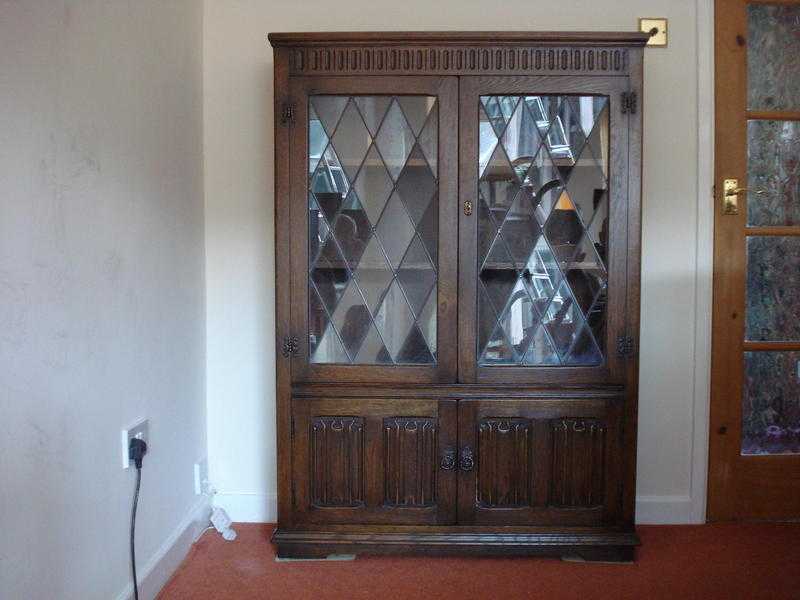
[[457, 243]]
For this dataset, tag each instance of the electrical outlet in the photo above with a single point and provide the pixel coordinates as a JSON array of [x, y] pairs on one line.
[[201, 477], [140, 430]]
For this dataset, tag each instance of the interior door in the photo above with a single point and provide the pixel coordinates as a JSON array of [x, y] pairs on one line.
[[389, 461], [754, 469], [539, 462], [543, 250], [374, 229]]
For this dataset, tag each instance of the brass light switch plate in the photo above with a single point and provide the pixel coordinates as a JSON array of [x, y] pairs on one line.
[[657, 28]]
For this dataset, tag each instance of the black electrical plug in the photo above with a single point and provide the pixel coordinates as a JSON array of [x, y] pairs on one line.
[[136, 451]]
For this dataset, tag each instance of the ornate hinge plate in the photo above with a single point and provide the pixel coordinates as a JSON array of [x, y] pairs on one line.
[[625, 346], [291, 345], [629, 102], [287, 114]]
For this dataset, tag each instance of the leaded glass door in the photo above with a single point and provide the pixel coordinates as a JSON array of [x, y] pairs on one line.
[[543, 244], [374, 228]]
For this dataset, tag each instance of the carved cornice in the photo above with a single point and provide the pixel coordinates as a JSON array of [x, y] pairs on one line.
[[458, 60]]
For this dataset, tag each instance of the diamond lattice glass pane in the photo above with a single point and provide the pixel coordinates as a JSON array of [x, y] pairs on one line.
[[427, 321], [317, 140], [373, 246], [564, 229], [373, 109], [416, 275], [329, 109], [498, 350], [416, 109], [584, 351], [499, 184], [374, 274], [487, 140], [542, 275], [352, 229], [395, 230], [395, 140], [544, 188], [540, 350], [394, 320], [544, 184], [351, 140], [429, 139], [352, 319], [563, 320], [521, 139], [520, 319], [373, 185], [330, 274], [520, 229], [416, 185], [373, 350]]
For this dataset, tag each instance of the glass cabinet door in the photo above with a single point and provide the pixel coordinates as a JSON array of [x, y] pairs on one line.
[[373, 187], [541, 172]]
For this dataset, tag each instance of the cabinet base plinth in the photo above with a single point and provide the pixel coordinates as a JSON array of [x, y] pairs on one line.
[[589, 547]]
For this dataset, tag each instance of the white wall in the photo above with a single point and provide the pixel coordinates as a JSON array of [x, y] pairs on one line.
[[101, 289], [239, 229]]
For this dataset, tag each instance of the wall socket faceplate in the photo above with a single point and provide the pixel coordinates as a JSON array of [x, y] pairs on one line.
[[139, 429]]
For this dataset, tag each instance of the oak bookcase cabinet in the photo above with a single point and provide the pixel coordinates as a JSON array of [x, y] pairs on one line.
[[457, 243]]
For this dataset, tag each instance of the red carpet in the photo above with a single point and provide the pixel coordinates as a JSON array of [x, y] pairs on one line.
[[725, 561]]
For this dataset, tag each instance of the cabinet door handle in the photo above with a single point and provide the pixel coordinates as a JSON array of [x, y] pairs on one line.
[[448, 459], [467, 462]]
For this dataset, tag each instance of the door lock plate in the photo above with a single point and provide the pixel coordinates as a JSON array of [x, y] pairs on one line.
[[730, 197]]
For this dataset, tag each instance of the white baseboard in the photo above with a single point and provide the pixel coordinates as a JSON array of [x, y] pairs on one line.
[[249, 507], [168, 557], [263, 508], [664, 510]]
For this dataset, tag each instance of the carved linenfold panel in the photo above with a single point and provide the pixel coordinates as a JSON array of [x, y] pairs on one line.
[[504, 462], [452, 60], [337, 461], [578, 477], [410, 461]]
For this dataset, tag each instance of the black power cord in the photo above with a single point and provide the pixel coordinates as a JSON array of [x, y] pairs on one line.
[[136, 451]]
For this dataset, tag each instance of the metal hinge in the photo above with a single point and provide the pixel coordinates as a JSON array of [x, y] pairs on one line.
[[629, 100], [287, 114], [625, 347], [291, 345]]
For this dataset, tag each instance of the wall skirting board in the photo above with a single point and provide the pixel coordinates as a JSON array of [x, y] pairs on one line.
[[155, 573]]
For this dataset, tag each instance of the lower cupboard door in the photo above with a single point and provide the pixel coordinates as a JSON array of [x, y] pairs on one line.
[[539, 462], [382, 461]]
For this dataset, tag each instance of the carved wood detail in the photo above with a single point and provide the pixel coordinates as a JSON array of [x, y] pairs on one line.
[[578, 475], [410, 461], [456, 60], [505, 462], [337, 461]]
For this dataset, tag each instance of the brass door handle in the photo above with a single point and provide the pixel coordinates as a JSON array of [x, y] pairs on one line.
[[737, 191], [468, 207], [730, 195]]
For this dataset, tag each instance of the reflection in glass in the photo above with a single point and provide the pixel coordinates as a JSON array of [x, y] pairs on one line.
[[772, 301], [373, 229], [771, 403], [773, 57], [542, 229], [773, 173]]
